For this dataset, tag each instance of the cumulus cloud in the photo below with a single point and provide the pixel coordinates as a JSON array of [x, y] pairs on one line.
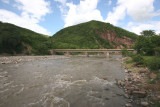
[[5, 1], [137, 28], [61, 1], [34, 8], [83, 12], [117, 14], [31, 13], [109, 2], [139, 10], [23, 21]]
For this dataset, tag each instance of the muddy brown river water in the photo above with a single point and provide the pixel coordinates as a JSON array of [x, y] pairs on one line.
[[67, 82]]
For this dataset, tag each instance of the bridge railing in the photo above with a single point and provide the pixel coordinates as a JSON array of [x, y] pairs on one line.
[[89, 50]]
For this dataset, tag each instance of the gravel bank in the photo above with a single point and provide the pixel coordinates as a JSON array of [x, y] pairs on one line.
[[18, 59]]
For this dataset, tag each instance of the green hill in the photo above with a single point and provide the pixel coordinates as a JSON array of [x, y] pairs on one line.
[[89, 35], [17, 40], [93, 35]]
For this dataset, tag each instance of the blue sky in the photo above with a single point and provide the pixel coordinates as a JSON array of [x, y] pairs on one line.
[[49, 16]]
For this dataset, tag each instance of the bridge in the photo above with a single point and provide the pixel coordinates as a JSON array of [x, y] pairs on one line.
[[105, 51]]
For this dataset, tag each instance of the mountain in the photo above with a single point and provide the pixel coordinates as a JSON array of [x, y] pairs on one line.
[[93, 35], [18, 40], [89, 35]]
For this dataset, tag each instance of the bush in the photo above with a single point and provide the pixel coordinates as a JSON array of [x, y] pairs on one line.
[[154, 64], [138, 59], [157, 51], [124, 52]]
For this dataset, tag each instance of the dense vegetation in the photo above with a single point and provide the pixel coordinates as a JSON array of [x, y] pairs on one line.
[[84, 36], [148, 52], [17, 40], [148, 43]]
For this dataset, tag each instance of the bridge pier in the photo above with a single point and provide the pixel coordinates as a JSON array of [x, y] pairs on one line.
[[53, 52], [107, 54], [67, 53], [86, 54]]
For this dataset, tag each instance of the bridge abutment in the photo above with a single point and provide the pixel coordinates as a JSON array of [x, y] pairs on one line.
[[86, 54], [67, 53], [106, 54], [53, 52]]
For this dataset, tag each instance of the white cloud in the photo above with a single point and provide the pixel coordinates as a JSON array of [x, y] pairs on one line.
[[83, 12], [139, 10], [34, 8], [118, 14], [109, 2], [23, 21], [137, 28], [5, 1], [61, 1], [32, 12]]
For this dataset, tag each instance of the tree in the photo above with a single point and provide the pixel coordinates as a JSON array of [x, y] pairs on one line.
[[148, 33]]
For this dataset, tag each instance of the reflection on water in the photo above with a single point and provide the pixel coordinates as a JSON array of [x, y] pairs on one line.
[[72, 82]]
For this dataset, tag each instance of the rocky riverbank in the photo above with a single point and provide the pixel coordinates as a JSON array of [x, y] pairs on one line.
[[18, 59], [137, 88]]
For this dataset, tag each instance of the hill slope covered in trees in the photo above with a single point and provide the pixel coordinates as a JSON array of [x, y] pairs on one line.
[[93, 35], [89, 35], [17, 40]]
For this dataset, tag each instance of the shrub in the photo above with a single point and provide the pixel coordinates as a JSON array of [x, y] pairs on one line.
[[154, 64], [124, 52], [157, 51], [138, 59]]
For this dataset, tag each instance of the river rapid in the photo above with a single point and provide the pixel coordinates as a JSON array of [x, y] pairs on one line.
[[76, 81]]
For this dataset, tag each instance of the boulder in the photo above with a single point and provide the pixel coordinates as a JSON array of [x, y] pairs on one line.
[[105, 78], [152, 76], [126, 95], [139, 94], [144, 104], [127, 85], [128, 105], [155, 98], [143, 71], [126, 71], [136, 76]]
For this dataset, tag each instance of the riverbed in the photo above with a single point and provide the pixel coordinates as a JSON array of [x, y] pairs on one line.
[[74, 81]]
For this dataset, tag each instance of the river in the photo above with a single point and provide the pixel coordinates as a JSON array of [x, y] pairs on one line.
[[65, 82]]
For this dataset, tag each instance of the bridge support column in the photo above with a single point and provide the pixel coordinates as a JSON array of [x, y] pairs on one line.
[[52, 52], [107, 54], [86, 54], [67, 53]]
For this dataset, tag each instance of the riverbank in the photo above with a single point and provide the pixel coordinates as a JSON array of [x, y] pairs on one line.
[[18, 59], [138, 86]]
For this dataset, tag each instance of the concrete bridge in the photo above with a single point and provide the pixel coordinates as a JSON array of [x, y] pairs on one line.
[[105, 51]]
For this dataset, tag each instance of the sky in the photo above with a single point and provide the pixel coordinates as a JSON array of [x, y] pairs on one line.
[[50, 16]]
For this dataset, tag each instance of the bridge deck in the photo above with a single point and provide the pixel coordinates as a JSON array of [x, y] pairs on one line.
[[90, 50]]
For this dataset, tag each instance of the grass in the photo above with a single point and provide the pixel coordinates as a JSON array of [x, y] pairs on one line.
[[129, 64]]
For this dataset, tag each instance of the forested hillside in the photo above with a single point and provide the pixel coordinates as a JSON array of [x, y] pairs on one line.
[[93, 35], [17, 40]]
